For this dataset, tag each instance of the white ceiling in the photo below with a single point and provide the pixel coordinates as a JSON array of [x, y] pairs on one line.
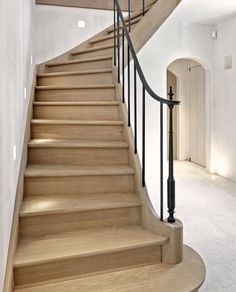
[[206, 12]]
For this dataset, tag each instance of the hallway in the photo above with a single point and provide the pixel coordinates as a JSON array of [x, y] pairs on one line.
[[206, 204]]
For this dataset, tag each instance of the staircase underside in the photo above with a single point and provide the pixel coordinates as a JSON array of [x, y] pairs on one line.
[[81, 223], [101, 4]]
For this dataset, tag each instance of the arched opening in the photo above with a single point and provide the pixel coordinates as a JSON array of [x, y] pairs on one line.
[[188, 80]]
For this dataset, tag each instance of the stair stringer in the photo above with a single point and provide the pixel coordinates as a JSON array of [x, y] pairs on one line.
[[152, 21], [172, 251], [67, 55]]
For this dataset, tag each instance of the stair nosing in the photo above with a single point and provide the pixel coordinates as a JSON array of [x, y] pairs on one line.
[[69, 62], [88, 144], [73, 172], [159, 242], [68, 87], [76, 103], [76, 122], [102, 38], [72, 73], [92, 49], [78, 210], [132, 22]]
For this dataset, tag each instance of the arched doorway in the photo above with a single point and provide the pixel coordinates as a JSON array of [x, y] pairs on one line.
[[188, 80]]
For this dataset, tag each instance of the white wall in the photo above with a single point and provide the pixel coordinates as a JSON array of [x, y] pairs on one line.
[[57, 28], [225, 102], [16, 71]]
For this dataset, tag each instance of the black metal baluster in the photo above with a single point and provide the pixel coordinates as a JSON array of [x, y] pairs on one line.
[[161, 161], [143, 139], [135, 110], [128, 60], [115, 33], [118, 44], [171, 180], [123, 66]]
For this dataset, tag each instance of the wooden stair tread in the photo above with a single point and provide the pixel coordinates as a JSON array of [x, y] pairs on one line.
[[76, 122], [92, 59], [186, 276], [77, 103], [41, 205], [82, 72], [93, 49], [69, 143], [132, 21], [84, 243], [102, 38], [92, 86], [76, 170]]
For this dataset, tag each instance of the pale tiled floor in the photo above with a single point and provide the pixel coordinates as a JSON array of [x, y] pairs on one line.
[[206, 205]]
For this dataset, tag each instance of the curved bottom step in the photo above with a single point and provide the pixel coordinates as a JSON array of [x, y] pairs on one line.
[[188, 276]]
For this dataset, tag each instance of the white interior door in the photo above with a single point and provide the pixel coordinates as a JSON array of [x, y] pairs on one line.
[[197, 115]]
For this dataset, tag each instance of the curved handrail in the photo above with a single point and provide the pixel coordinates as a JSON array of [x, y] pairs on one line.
[[137, 64]]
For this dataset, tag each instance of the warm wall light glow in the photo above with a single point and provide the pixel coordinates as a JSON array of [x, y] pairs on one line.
[[222, 165], [81, 24]]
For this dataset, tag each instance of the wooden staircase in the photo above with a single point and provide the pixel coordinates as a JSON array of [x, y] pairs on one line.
[[81, 224]]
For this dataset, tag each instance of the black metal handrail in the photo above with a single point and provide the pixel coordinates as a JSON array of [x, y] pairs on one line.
[[120, 23], [134, 56]]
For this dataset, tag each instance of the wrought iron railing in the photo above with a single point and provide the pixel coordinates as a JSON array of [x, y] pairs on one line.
[[122, 40]]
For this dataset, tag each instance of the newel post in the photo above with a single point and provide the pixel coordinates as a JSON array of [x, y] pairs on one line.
[[171, 180]]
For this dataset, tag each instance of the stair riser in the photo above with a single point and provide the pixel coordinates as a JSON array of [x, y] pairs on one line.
[[77, 112], [88, 132], [111, 31], [97, 53], [76, 80], [87, 264], [76, 185], [103, 64], [96, 94], [71, 222], [105, 42], [78, 156]]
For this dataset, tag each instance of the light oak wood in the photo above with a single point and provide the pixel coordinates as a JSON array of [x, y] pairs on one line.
[[184, 277], [50, 205], [77, 152], [82, 64], [85, 252], [93, 52], [85, 243], [71, 179], [102, 76], [103, 40], [77, 110], [77, 221], [155, 17], [73, 213], [76, 170], [74, 129], [101, 4], [98, 92], [132, 22]]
